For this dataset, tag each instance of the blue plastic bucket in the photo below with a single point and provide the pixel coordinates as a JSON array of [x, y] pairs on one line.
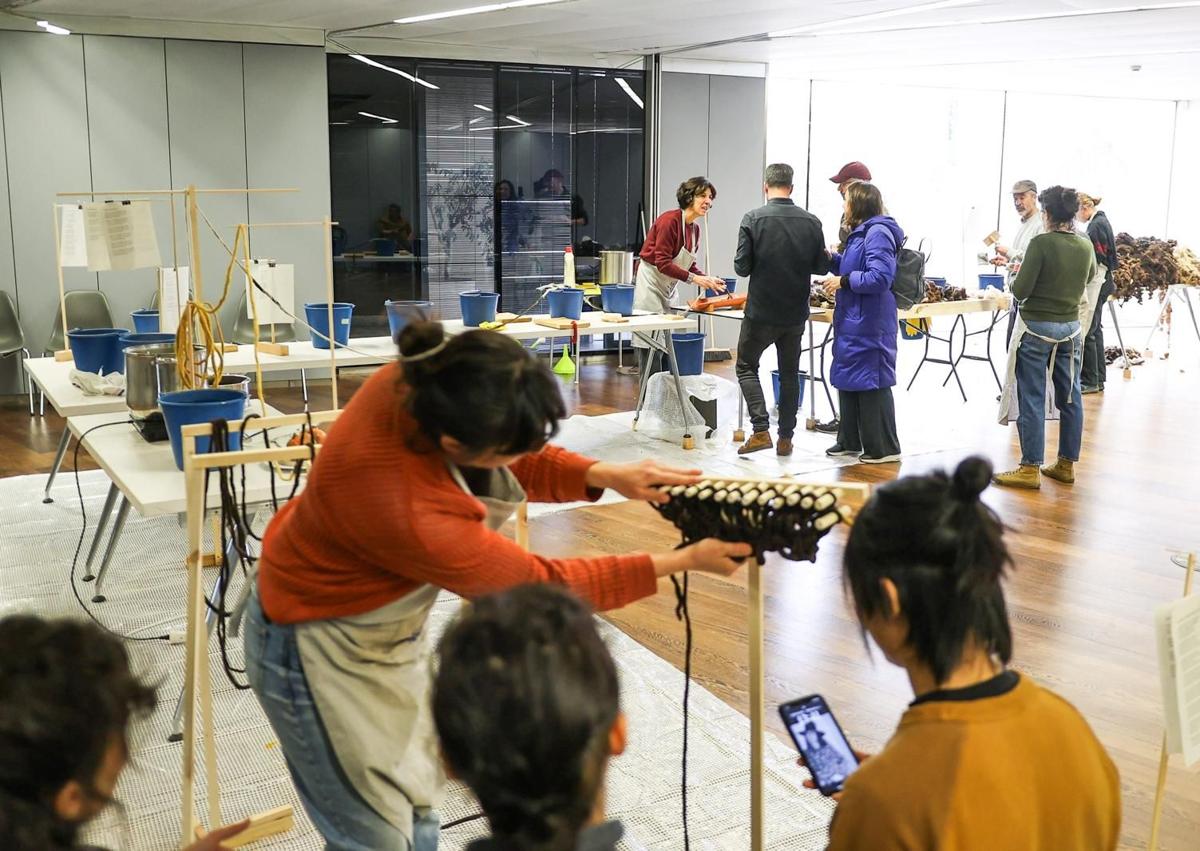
[[97, 350], [565, 304], [400, 313], [145, 321], [617, 298], [776, 388], [730, 286], [317, 314], [478, 307], [188, 407], [990, 280], [384, 247], [689, 353]]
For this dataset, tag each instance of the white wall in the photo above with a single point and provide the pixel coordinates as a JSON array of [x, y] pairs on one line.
[[82, 113], [1184, 221]]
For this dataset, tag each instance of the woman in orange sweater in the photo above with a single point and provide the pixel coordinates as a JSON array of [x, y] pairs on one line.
[[406, 498], [984, 758]]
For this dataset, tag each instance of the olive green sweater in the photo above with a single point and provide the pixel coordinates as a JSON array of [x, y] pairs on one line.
[[1053, 276]]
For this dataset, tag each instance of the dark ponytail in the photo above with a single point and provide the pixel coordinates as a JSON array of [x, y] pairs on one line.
[[524, 698], [481, 388], [944, 550]]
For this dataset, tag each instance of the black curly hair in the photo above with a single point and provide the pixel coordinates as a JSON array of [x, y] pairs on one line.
[[944, 550], [66, 693], [525, 696], [1060, 204]]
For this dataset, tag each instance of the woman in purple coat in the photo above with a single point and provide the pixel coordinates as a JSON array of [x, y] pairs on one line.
[[864, 329]]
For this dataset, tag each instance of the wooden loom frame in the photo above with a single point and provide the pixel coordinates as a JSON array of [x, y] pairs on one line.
[[197, 683], [852, 495]]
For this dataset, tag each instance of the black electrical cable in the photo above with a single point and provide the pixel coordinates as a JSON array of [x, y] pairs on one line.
[[682, 613], [463, 820], [79, 545]]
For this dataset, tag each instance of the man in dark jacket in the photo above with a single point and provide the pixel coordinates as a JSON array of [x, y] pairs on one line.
[[780, 248], [1100, 232]]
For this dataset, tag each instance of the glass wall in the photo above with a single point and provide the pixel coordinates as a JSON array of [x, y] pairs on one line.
[[450, 176]]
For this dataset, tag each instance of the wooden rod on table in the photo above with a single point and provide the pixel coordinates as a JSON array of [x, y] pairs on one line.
[[756, 705], [62, 291], [333, 378], [1160, 786]]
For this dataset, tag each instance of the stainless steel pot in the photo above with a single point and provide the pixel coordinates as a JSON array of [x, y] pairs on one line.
[[616, 267], [149, 371]]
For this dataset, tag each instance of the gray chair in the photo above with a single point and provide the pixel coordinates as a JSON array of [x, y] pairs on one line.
[[243, 335], [12, 339], [85, 309]]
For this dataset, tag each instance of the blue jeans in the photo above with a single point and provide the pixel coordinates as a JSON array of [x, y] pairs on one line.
[[343, 817], [1033, 360]]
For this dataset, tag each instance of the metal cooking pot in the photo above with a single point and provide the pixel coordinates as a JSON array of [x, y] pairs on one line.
[[616, 267], [149, 371]]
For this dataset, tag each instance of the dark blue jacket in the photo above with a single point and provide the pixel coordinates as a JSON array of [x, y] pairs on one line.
[[865, 322]]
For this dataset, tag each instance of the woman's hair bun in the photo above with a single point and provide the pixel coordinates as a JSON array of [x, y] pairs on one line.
[[971, 478], [419, 337]]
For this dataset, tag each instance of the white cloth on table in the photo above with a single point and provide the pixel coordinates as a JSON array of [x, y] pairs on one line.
[[93, 384]]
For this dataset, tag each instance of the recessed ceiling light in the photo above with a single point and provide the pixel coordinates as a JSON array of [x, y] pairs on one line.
[[364, 60], [382, 118], [475, 10], [51, 28]]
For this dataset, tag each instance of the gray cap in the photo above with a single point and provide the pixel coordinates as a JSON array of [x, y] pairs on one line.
[[1022, 186]]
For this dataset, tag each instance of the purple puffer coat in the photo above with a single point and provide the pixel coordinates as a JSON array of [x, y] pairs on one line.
[[865, 324]]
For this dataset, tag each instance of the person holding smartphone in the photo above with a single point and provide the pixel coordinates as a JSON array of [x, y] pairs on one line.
[[984, 757]]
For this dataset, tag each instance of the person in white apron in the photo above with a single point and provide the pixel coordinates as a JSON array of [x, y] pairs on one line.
[[1051, 291], [668, 258], [424, 465], [527, 707]]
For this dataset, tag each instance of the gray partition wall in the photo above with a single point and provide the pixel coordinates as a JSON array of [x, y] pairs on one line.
[[114, 113]]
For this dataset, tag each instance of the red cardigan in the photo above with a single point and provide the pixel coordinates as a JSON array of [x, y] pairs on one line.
[[664, 241], [376, 519]]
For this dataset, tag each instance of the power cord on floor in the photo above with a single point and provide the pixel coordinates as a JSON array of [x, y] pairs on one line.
[[682, 613], [79, 546]]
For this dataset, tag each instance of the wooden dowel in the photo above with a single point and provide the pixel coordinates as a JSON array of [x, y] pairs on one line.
[[333, 376], [194, 487], [522, 535], [62, 291]]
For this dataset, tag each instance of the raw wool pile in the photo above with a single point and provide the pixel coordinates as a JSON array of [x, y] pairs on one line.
[[1189, 266], [1112, 354], [1144, 265], [934, 293], [818, 299]]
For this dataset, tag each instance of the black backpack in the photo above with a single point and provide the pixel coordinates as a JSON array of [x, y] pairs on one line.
[[909, 286]]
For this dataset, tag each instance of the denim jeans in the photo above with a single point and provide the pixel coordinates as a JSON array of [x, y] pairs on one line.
[[787, 339], [1033, 361], [341, 815]]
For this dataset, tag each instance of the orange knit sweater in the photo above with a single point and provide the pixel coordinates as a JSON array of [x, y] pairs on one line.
[[377, 519]]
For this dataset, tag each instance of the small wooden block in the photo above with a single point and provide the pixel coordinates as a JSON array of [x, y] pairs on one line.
[[1128, 373], [262, 825], [739, 436], [64, 356], [674, 317], [210, 560], [561, 324], [614, 318], [227, 348], [689, 442], [279, 349]]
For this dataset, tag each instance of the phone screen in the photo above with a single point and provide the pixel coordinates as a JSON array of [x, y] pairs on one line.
[[821, 741]]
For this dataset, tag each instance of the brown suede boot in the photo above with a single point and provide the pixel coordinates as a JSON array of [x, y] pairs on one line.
[[1061, 470], [758, 441], [1026, 476], [784, 446]]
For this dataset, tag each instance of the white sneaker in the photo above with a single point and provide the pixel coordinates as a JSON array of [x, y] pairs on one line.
[[883, 459]]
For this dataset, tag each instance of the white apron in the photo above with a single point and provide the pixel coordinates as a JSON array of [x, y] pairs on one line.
[[1009, 406], [370, 678], [653, 290]]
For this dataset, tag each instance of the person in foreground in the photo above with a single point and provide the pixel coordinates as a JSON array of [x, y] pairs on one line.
[[67, 696], [1048, 336], [865, 327], [430, 458], [527, 708], [984, 757]]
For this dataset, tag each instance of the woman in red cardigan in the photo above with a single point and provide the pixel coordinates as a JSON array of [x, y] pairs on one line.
[[406, 498], [669, 255]]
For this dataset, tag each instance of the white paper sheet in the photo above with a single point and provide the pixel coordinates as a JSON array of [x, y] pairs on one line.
[[120, 236], [278, 279], [1177, 626], [72, 239], [172, 295]]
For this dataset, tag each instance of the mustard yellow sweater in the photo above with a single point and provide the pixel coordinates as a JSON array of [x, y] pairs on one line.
[[1021, 771]]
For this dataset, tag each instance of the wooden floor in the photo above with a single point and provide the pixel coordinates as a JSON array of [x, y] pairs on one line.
[[1092, 564]]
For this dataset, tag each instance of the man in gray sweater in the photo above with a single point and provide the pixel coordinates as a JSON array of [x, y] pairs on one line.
[[780, 247]]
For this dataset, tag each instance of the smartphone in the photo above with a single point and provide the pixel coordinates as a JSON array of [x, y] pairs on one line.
[[821, 742]]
